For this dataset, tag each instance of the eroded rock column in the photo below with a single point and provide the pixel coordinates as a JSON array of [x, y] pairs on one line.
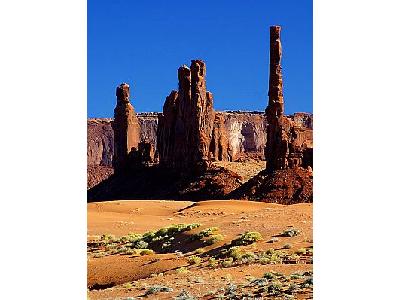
[[186, 125], [126, 128], [277, 148]]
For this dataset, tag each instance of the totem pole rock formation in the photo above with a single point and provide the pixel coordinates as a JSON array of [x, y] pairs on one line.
[[186, 127], [126, 129], [286, 141]]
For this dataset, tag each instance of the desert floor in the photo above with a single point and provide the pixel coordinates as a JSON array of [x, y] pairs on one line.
[[195, 266]]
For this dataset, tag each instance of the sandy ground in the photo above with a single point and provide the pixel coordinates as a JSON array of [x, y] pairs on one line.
[[123, 276]]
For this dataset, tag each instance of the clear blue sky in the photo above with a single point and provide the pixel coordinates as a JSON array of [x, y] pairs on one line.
[[143, 42]]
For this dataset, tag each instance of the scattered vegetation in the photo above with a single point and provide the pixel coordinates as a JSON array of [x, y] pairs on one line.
[[139, 244]]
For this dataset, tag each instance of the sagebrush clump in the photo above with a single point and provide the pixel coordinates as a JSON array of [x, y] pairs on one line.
[[247, 238]]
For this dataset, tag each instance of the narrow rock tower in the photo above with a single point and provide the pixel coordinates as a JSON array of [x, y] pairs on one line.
[[277, 148], [185, 128], [287, 145], [126, 129]]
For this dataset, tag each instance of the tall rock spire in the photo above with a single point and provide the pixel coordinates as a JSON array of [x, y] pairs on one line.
[[185, 129], [126, 128], [277, 147]]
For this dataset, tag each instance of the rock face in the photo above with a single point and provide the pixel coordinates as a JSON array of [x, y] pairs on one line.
[[287, 138], [219, 141], [185, 128], [245, 131], [100, 142], [126, 128]]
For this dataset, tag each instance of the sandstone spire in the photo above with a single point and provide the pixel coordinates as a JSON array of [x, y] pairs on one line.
[[286, 140], [126, 128], [277, 141], [186, 126]]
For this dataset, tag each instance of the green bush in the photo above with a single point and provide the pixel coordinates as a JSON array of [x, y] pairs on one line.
[[235, 252], [227, 262], [269, 275], [275, 288], [182, 270], [158, 288], [214, 239], [248, 257], [290, 232], [212, 262], [200, 251], [301, 251], [247, 238], [146, 252], [194, 260]]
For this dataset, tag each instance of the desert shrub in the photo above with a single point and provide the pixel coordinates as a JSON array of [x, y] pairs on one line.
[[296, 275], [290, 232], [140, 244], [270, 251], [247, 238], [122, 249], [259, 281], [301, 251], [98, 255], [182, 270], [287, 246], [149, 236], [274, 288], [230, 291], [269, 275], [264, 260], [200, 251], [307, 283], [146, 252], [234, 252], [127, 285], [227, 262], [133, 237], [292, 257], [194, 260], [107, 238], [275, 258], [212, 262], [214, 239], [204, 233], [131, 252], [248, 257], [184, 295], [293, 288], [158, 288]]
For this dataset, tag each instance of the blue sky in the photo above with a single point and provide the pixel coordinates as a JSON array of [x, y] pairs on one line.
[[144, 42]]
